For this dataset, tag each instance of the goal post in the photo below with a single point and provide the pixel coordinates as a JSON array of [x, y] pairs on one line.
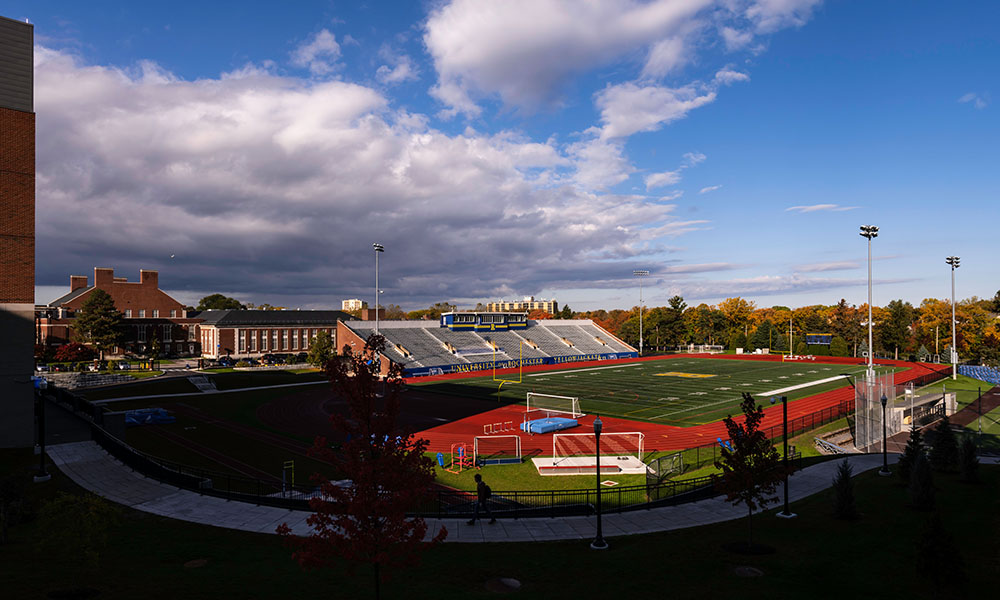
[[569, 445], [497, 449], [550, 403]]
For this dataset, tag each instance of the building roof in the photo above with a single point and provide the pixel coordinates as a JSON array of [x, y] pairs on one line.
[[270, 318], [70, 296]]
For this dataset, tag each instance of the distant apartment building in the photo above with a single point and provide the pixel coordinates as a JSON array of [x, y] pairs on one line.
[[352, 304], [150, 313], [17, 232], [528, 304]]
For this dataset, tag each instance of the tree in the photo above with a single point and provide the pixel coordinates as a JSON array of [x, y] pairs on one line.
[[737, 312], [914, 448], [155, 348], [219, 302], [73, 352], [939, 560], [321, 350], [764, 335], [99, 323], [366, 521], [394, 313], [944, 452], [922, 483], [737, 340], [844, 506], [566, 313], [968, 461], [838, 346], [539, 315], [752, 469], [895, 331]]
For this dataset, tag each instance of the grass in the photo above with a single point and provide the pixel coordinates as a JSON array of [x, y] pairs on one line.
[[966, 389], [224, 380], [523, 477], [676, 391], [816, 557]]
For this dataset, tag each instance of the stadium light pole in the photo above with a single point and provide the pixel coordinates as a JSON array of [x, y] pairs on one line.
[[640, 273], [598, 543], [870, 231], [953, 261], [379, 248], [885, 456], [785, 513]]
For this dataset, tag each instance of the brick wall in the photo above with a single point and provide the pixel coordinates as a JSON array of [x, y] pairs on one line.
[[17, 205]]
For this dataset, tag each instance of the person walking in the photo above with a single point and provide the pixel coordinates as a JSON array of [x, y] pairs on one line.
[[483, 493]]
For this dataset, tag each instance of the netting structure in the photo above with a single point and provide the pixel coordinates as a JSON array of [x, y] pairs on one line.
[[572, 445], [497, 449], [868, 393], [551, 404]]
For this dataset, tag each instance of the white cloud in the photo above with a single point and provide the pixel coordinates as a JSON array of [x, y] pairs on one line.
[[525, 51], [319, 54], [693, 158], [629, 108], [728, 76], [402, 69], [736, 39], [655, 180], [665, 57], [819, 207], [769, 16], [708, 189], [843, 265], [273, 187], [980, 101]]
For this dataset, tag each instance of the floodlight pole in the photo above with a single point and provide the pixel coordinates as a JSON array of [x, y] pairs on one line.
[[598, 543], [785, 513], [953, 261], [870, 231], [42, 475], [379, 248], [885, 456], [640, 273]]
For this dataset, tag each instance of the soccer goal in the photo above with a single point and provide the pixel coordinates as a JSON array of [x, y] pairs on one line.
[[498, 449], [553, 404], [574, 445]]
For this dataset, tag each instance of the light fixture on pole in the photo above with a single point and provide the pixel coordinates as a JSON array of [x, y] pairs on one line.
[[598, 543], [379, 248], [870, 231], [953, 261], [885, 457], [640, 273], [785, 513]]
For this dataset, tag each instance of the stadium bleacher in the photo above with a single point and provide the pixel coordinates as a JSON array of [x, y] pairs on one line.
[[987, 374]]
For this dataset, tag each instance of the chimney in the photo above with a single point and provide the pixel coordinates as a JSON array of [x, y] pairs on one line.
[[151, 278], [77, 281], [103, 277]]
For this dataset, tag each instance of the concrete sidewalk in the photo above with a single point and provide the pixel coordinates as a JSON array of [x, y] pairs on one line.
[[93, 469]]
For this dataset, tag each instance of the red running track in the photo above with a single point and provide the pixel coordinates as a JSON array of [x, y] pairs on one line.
[[658, 437]]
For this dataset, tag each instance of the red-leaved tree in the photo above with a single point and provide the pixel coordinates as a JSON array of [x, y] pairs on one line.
[[751, 470], [366, 522]]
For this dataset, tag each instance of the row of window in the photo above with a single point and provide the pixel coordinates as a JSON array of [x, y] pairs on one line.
[[166, 333], [263, 341], [155, 313]]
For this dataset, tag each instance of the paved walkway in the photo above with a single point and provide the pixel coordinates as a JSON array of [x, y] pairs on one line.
[[93, 469]]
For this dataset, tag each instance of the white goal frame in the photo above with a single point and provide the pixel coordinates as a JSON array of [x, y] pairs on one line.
[[516, 446], [551, 403], [608, 445]]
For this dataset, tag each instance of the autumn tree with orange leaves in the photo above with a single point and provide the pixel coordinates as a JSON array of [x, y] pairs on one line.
[[366, 521]]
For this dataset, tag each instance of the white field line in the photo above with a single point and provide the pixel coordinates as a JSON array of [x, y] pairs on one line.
[[802, 385], [547, 373]]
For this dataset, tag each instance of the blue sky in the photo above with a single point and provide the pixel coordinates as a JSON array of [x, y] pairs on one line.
[[504, 149]]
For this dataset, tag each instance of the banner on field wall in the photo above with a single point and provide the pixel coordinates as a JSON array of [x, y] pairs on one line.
[[514, 363]]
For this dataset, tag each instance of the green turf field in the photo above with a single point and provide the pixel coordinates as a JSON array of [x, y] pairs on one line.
[[683, 391]]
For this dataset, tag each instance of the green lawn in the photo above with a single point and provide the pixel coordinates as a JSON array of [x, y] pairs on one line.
[[966, 389], [816, 556], [679, 391]]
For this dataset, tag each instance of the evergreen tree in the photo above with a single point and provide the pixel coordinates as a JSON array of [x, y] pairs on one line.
[[968, 461], [844, 506], [99, 323], [923, 355], [321, 350], [922, 484], [944, 452], [838, 346], [914, 447], [565, 313]]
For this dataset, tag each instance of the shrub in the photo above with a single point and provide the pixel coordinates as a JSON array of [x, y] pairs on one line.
[[922, 484], [843, 487], [944, 452], [968, 461], [73, 352], [914, 446], [242, 363]]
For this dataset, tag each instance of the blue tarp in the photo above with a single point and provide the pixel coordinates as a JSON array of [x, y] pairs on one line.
[[148, 416], [548, 424]]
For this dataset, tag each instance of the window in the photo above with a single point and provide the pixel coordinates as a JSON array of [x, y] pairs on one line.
[[295, 339], [173, 313], [142, 313], [191, 333], [168, 333], [253, 340], [284, 339], [156, 313], [140, 333], [128, 313], [243, 340]]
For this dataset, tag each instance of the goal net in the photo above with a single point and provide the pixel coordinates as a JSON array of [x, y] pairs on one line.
[[498, 449], [554, 404], [570, 445]]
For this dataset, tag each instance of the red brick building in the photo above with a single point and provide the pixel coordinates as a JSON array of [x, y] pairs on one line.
[[150, 313], [17, 231], [254, 333]]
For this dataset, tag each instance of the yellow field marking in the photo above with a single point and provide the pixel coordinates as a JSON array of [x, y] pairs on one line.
[[687, 375]]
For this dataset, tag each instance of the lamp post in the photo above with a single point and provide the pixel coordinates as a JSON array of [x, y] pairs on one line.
[[870, 232], [953, 261], [885, 456], [640, 273], [598, 543], [785, 513], [379, 248]]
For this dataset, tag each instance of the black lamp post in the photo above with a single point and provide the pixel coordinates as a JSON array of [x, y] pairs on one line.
[[40, 386], [598, 543], [785, 513], [885, 457]]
